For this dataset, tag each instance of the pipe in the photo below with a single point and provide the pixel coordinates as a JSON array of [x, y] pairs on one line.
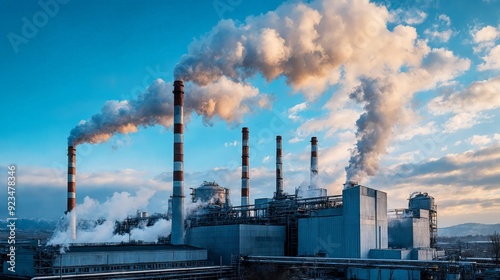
[[245, 170], [279, 169], [71, 203], [178, 174], [314, 163]]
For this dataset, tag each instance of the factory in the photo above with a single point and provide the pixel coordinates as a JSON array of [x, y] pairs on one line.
[[351, 235]]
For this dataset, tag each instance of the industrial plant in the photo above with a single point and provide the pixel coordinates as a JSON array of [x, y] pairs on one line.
[[307, 234]]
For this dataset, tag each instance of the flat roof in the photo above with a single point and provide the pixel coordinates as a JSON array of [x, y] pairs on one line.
[[129, 247]]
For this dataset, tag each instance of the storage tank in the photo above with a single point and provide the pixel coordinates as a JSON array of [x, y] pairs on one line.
[[209, 192], [420, 200]]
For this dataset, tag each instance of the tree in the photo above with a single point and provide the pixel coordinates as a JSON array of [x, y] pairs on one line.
[[495, 244]]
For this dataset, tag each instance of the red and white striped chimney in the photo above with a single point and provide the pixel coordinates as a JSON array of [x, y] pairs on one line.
[[177, 236], [314, 163], [279, 169], [245, 170], [72, 190]]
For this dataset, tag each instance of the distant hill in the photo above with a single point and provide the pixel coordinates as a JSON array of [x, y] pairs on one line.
[[31, 224], [469, 229]]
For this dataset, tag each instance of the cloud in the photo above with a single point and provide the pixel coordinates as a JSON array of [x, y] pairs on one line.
[[467, 106], [484, 38], [462, 121], [415, 130], [483, 140], [485, 34], [479, 168], [231, 144], [491, 60], [440, 31], [478, 96], [292, 112], [472, 177], [266, 159], [411, 16]]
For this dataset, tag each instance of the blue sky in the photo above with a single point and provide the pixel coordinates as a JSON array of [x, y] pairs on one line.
[[61, 63]]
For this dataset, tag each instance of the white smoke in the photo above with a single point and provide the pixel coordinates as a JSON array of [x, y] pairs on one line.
[[223, 99], [117, 208], [323, 43], [96, 221], [313, 46], [383, 105], [307, 43]]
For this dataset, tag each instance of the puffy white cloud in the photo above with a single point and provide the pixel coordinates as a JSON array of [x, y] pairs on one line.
[[483, 140], [487, 33], [491, 60], [485, 38]]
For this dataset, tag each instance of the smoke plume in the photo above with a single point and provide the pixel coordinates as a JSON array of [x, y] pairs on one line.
[[223, 99], [383, 105], [304, 42], [117, 208]]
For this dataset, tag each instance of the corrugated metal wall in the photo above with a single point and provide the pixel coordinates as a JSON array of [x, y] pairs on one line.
[[321, 235]]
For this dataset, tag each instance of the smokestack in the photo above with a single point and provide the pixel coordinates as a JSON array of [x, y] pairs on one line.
[[279, 169], [228, 199], [178, 182], [314, 163], [72, 189], [245, 170]]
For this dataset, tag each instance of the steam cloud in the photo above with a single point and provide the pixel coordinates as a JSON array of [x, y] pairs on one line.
[[224, 99], [117, 208]]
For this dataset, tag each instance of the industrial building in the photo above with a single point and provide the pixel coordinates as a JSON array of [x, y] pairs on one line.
[[349, 235]]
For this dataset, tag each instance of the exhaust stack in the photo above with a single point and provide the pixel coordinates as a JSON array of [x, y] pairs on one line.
[[314, 163], [279, 169], [245, 170], [178, 176], [72, 190]]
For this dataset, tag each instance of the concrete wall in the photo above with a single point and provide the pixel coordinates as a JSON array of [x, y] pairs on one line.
[[409, 232], [365, 221], [423, 254], [227, 240], [391, 254]]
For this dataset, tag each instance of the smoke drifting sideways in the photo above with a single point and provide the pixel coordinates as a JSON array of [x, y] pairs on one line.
[[224, 99], [96, 221], [117, 208]]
